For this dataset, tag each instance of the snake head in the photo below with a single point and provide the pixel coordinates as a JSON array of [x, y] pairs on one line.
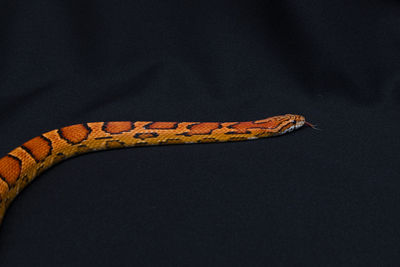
[[293, 122], [298, 121]]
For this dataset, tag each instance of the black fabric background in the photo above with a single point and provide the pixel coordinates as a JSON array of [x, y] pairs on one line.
[[310, 198]]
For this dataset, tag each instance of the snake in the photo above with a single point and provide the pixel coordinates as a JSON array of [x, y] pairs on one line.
[[23, 164]]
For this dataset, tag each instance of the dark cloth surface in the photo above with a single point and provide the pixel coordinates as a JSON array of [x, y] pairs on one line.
[[309, 198]]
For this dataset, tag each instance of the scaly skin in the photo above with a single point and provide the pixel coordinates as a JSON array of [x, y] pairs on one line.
[[22, 165]]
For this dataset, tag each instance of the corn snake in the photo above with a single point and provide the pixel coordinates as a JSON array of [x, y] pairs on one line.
[[23, 164]]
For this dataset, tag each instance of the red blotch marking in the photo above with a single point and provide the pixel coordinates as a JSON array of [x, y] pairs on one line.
[[162, 125], [145, 135], [116, 127], [10, 169], [243, 127], [39, 148], [203, 128], [75, 133]]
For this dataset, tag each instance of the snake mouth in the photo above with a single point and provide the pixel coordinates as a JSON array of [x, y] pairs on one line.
[[298, 124], [295, 124]]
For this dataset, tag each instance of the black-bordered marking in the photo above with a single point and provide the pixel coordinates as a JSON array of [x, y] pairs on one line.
[[59, 157], [253, 125], [4, 166], [33, 152], [85, 132], [143, 136], [115, 144], [192, 131], [81, 149], [156, 125], [104, 137], [107, 124]]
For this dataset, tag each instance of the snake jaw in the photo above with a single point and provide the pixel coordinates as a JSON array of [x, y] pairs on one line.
[[299, 124]]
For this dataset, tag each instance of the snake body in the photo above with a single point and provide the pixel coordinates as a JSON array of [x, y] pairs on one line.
[[23, 164]]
